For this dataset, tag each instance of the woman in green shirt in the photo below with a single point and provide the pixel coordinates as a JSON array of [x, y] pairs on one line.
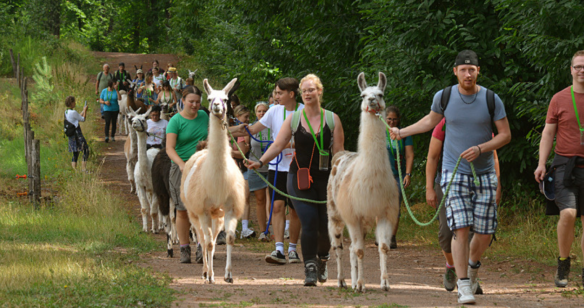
[[183, 133]]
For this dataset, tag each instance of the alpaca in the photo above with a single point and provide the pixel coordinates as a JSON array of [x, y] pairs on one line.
[[123, 104], [142, 172], [161, 187], [192, 73], [131, 152], [212, 187], [362, 189]]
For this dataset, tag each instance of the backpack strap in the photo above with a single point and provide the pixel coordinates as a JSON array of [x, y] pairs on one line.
[[491, 103], [330, 121], [295, 122], [99, 76], [445, 98]]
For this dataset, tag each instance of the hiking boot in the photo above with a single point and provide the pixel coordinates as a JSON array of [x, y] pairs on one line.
[[263, 237], [393, 244], [221, 238], [311, 272], [449, 279], [562, 273], [465, 293], [286, 234], [106, 139], [473, 273], [276, 257], [247, 233], [293, 257], [199, 255], [185, 254], [323, 270]]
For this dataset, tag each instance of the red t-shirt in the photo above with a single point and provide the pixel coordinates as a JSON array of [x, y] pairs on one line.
[[438, 132], [561, 112]]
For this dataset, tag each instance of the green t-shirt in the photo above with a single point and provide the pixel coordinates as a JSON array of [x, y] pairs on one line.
[[103, 81], [189, 133]]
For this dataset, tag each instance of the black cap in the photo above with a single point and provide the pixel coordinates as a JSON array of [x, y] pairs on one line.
[[122, 64], [466, 57]]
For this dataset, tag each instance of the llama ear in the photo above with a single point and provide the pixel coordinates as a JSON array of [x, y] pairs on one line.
[[229, 86], [135, 67], [233, 89], [382, 82], [148, 112], [132, 112], [361, 82], [207, 86]]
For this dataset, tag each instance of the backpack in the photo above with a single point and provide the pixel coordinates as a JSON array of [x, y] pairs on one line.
[[445, 98], [101, 74], [69, 128], [328, 115]]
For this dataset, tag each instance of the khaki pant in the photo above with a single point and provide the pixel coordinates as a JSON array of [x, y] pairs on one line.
[[174, 179]]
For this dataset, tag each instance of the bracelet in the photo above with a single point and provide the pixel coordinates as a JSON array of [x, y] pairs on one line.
[[408, 174], [480, 151], [261, 163]]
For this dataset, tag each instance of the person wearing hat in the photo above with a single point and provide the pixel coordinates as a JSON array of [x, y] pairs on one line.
[[121, 77], [139, 81], [564, 124], [176, 83], [469, 117]]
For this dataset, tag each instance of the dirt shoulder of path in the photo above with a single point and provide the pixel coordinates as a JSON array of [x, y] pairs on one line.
[[415, 271]]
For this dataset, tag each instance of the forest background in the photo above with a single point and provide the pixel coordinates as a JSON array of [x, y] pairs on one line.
[[524, 47]]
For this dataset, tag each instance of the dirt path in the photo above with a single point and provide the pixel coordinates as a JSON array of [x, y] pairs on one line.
[[415, 271]]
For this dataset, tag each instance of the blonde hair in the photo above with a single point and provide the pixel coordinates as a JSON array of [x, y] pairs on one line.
[[255, 109], [314, 79], [578, 53], [240, 110]]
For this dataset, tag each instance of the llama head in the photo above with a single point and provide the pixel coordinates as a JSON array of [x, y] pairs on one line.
[[372, 97], [139, 123], [218, 98], [192, 73]]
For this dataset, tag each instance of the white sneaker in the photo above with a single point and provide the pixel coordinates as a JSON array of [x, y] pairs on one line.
[[286, 234], [465, 295], [263, 237], [293, 257], [473, 273], [247, 233]]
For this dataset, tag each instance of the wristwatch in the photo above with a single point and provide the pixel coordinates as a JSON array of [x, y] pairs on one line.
[[261, 163], [409, 174]]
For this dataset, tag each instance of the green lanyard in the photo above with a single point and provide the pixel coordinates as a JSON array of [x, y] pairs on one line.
[[321, 146], [285, 111], [109, 97], [576, 110], [269, 132], [122, 79], [391, 144]]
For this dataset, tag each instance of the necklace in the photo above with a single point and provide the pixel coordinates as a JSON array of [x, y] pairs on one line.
[[473, 100]]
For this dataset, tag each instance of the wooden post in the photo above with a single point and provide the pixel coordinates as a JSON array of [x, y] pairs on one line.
[[29, 164], [25, 122], [13, 63], [36, 172]]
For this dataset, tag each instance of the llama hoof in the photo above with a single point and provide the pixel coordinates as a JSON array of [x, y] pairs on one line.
[[204, 276], [229, 280], [170, 253], [154, 231], [359, 288], [210, 281], [385, 285], [342, 284]]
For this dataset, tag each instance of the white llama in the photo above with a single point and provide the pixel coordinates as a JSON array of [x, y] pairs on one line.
[[212, 186], [362, 189], [143, 173], [122, 115]]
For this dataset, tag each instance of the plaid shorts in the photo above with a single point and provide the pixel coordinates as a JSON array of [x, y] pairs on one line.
[[469, 205]]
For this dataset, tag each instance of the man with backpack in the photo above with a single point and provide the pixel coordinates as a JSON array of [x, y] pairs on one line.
[[121, 76], [564, 123], [103, 78], [471, 202]]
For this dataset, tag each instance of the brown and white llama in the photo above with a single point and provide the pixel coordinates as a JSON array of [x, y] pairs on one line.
[[142, 172], [123, 104], [212, 186], [362, 190]]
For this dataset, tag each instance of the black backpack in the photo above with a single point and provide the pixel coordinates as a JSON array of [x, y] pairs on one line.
[[446, 97], [69, 128]]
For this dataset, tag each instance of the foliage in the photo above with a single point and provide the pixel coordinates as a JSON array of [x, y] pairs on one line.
[[43, 74]]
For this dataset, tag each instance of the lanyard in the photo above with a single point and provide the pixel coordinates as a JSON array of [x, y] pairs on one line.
[[320, 147], [109, 97], [296, 109], [399, 145], [576, 110], [269, 132]]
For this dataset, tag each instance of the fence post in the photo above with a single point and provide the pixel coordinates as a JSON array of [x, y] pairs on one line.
[[36, 172], [14, 70]]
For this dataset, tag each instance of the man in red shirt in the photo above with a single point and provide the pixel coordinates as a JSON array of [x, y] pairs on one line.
[[564, 123]]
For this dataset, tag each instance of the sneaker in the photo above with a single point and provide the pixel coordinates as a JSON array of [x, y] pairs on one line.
[[106, 139], [247, 233], [199, 255], [465, 293], [286, 234], [393, 244], [221, 238], [113, 139], [473, 273], [276, 257], [311, 272], [263, 237], [323, 270], [562, 273], [185, 254], [449, 279], [293, 257]]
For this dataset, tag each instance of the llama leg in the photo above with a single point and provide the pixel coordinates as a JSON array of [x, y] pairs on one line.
[[172, 213], [209, 241], [130, 171], [336, 226], [154, 211], [383, 235], [357, 253], [144, 207], [196, 225], [230, 225], [168, 231]]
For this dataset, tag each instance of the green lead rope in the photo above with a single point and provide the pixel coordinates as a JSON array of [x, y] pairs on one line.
[[476, 181]]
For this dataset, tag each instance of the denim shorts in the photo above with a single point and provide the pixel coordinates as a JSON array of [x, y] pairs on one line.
[[471, 205]]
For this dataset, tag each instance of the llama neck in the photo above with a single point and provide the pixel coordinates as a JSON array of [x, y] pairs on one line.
[[142, 157], [218, 143], [133, 141], [372, 141]]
